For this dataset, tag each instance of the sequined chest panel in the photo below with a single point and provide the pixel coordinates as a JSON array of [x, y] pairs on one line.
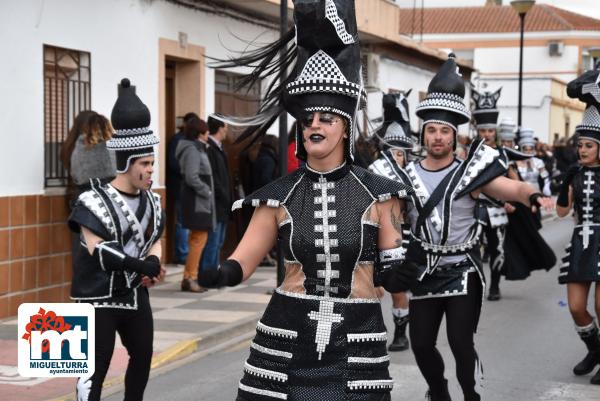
[[325, 233], [586, 195]]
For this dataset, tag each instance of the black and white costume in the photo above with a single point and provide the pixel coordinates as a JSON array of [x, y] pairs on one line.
[[394, 136], [581, 263], [129, 226], [494, 215], [322, 335], [582, 259], [534, 172], [444, 240]]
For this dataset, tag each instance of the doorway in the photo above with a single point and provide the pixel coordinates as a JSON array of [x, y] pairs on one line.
[[181, 90]]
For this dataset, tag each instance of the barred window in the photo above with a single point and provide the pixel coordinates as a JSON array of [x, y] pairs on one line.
[[66, 93]]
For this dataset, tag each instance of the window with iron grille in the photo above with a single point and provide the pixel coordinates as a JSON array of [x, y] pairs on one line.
[[66, 93]]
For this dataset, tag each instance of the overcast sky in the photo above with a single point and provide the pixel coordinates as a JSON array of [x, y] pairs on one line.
[[589, 8]]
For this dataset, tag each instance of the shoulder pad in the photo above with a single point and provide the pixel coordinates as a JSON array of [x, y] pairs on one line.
[[94, 203], [481, 166], [379, 187], [273, 194]]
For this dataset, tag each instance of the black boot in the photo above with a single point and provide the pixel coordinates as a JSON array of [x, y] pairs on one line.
[[596, 378], [400, 342], [440, 394], [473, 397], [591, 339], [494, 294]]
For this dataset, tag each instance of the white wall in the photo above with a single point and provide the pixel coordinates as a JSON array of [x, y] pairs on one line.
[[122, 37], [536, 59]]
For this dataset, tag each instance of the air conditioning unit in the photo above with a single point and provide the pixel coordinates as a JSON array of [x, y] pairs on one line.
[[556, 49]]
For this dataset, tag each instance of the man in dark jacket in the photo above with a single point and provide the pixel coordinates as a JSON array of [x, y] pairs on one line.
[[218, 160], [174, 178]]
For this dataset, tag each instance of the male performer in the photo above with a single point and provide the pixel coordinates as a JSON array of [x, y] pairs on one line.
[[120, 225], [445, 233]]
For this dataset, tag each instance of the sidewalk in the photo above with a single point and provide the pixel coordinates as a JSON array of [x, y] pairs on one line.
[[184, 323]]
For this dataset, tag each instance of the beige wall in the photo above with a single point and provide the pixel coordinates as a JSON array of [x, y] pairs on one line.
[[189, 86], [563, 109]]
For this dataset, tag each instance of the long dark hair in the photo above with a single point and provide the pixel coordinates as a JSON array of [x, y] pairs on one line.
[[194, 127], [94, 127]]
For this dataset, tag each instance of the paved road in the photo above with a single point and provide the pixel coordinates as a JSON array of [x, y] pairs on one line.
[[526, 342]]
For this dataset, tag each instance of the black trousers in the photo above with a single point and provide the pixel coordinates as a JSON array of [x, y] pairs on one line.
[[137, 334], [462, 314], [494, 239]]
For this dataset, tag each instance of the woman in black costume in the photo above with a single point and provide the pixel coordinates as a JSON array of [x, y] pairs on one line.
[[322, 335], [580, 192]]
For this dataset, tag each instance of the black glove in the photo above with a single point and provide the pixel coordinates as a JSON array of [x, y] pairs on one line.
[[110, 255], [148, 267], [563, 192], [400, 278], [229, 273], [534, 199]]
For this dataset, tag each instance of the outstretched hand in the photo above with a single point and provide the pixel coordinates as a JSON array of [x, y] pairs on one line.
[[543, 202]]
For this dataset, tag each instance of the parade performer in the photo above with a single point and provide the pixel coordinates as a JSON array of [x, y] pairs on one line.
[[395, 143], [580, 192], [494, 214], [532, 170], [445, 232], [120, 224], [322, 336], [525, 250]]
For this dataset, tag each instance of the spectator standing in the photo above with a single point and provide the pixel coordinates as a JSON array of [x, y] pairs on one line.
[[174, 178], [84, 152], [217, 130], [197, 196], [264, 168]]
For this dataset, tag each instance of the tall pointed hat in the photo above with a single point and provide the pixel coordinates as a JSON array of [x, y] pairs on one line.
[[131, 120], [445, 100], [395, 130], [587, 89], [328, 73], [485, 112], [325, 70]]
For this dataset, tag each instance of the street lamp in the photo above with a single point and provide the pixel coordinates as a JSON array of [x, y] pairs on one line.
[[521, 7]]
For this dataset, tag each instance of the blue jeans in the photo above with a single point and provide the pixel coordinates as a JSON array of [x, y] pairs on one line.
[[181, 236], [212, 250]]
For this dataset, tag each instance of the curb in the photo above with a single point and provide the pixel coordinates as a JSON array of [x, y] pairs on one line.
[[206, 341]]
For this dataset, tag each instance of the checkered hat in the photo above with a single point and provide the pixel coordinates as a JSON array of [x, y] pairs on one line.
[[395, 130], [444, 103], [485, 112], [327, 75], [131, 120], [587, 89]]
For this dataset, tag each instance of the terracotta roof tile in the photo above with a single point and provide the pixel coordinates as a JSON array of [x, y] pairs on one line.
[[493, 19]]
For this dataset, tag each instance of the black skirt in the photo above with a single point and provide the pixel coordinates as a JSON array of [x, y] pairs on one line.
[[525, 249], [316, 348], [581, 264]]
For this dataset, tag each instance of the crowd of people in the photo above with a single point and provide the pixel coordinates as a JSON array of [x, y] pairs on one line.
[[411, 222]]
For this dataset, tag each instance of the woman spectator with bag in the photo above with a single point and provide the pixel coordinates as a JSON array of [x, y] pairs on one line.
[[197, 196]]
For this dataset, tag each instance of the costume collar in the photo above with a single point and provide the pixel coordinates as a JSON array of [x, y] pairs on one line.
[[331, 175]]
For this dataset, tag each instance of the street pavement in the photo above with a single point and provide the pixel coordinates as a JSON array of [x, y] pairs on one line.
[[526, 342]]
